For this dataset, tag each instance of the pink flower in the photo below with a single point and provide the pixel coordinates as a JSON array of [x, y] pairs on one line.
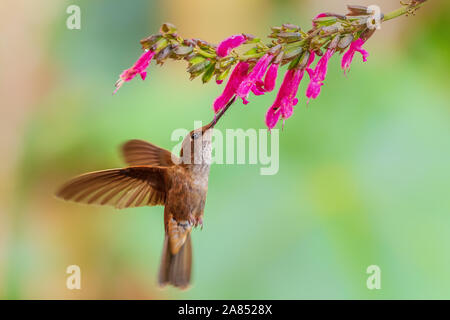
[[347, 58], [285, 101], [254, 82], [138, 68], [258, 89], [271, 77], [237, 76], [318, 75], [225, 47], [272, 117]]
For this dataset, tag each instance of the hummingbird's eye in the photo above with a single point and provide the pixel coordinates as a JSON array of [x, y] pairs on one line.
[[195, 135]]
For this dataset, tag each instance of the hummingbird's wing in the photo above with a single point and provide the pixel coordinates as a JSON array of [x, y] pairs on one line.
[[122, 188], [141, 153]]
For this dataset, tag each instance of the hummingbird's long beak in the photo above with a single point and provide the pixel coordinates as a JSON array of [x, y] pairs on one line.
[[220, 114]]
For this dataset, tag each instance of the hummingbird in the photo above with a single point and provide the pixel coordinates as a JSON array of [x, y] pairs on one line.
[[155, 176]]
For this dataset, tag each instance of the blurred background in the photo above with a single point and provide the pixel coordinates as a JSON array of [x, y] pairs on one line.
[[364, 170]]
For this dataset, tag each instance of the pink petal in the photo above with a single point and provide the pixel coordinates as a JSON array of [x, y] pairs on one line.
[[237, 76], [271, 77], [286, 96], [364, 53], [318, 75], [355, 46], [272, 117], [225, 47], [253, 77], [139, 67], [288, 108], [313, 90], [312, 56], [258, 90]]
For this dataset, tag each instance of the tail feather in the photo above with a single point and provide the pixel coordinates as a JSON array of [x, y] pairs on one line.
[[176, 268]]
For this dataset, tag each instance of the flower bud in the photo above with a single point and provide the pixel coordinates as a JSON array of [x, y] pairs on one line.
[[163, 54], [159, 45], [304, 60], [325, 21], [149, 41], [290, 36], [330, 29], [290, 27], [182, 50], [168, 28], [334, 42], [289, 54], [276, 29], [274, 50], [279, 58], [199, 67], [317, 42]]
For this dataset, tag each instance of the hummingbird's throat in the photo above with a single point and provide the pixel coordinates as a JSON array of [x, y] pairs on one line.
[[198, 151]]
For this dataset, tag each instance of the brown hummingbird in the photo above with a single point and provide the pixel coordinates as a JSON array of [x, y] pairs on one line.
[[155, 176]]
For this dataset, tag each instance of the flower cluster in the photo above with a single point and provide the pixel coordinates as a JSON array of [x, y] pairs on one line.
[[256, 70]]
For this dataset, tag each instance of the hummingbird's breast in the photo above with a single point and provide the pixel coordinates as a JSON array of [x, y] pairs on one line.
[[187, 194]]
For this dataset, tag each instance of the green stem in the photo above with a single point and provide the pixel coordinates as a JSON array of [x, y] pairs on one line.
[[401, 11]]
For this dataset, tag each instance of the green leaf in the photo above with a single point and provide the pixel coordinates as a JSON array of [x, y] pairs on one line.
[[209, 73], [223, 75]]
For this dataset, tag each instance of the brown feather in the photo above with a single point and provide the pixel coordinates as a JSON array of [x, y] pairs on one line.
[[122, 188], [176, 268], [135, 194]]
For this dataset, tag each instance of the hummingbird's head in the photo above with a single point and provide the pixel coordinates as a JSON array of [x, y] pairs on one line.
[[196, 147]]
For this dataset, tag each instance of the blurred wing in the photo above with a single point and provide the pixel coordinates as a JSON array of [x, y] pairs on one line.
[[142, 153], [121, 188]]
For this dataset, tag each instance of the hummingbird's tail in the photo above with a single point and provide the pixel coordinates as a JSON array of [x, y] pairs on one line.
[[176, 268]]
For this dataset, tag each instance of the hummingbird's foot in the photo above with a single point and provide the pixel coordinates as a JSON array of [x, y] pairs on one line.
[[195, 221]]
